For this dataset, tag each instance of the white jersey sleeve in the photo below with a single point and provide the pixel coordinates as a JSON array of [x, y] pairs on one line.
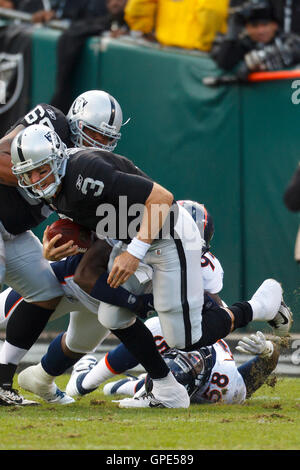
[[212, 273], [225, 384]]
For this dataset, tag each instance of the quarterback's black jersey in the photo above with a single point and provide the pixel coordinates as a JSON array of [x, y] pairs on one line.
[[104, 192], [18, 212]]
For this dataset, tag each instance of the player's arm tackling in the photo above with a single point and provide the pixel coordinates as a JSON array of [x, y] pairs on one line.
[[6, 176], [157, 208]]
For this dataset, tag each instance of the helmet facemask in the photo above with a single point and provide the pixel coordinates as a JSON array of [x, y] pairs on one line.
[[80, 138], [35, 190], [52, 154]]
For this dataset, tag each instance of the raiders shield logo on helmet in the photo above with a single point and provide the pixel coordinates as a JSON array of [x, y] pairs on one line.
[[11, 79], [79, 104]]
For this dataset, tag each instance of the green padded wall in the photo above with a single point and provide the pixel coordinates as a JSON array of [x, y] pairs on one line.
[[43, 64], [270, 154]]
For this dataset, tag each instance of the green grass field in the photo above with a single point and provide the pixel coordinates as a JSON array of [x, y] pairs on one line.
[[269, 421]]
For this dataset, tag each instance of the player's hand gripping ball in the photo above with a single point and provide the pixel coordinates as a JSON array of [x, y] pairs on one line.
[[70, 230]]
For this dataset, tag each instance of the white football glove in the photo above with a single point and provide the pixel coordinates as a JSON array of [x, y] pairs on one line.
[[256, 344]]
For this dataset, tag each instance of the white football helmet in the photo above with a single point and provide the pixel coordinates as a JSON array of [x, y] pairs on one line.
[[98, 111], [32, 148], [203, 220]]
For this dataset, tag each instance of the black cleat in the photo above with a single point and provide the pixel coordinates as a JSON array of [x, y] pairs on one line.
[[11, 397]]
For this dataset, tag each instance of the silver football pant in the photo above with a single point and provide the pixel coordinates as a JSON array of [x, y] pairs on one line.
[[177, 286], [27, 271]]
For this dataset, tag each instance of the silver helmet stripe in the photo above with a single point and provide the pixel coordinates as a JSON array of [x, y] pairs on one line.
[[19, 149], [113, 111]]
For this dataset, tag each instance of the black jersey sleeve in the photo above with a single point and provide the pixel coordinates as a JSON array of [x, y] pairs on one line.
[[94, 179], [47, 115], [137, 188]]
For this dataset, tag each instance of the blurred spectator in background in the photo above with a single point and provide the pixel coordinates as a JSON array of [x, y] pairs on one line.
[[67, 9], [86, 18], [260, 46], [6, 4], [190, 24], [287, 13], [28, 6], [46, 10], [73, 39]]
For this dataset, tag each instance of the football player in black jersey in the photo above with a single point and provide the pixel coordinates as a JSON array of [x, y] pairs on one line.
[[86, 185], [26, 270]]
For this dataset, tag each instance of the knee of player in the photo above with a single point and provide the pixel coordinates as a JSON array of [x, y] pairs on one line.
[[50, 304], [71, 350], [114, 318], [86, 277]]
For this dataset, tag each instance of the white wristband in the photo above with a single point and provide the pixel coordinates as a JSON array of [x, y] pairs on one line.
[[138, 248]]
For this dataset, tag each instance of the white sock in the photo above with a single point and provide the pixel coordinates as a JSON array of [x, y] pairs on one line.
[[99, 374], [43, 375], [160, 384], [170, 392], [266, 300], [10, 354], [128, 388], [258, 313]]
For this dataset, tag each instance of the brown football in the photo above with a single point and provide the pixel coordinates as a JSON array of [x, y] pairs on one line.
[[70, 230]]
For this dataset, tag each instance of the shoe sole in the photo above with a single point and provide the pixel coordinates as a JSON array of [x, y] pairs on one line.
[[287, 317]]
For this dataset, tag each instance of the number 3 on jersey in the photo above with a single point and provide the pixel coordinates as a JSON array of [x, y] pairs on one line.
[[85, 184], [37, 116]]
